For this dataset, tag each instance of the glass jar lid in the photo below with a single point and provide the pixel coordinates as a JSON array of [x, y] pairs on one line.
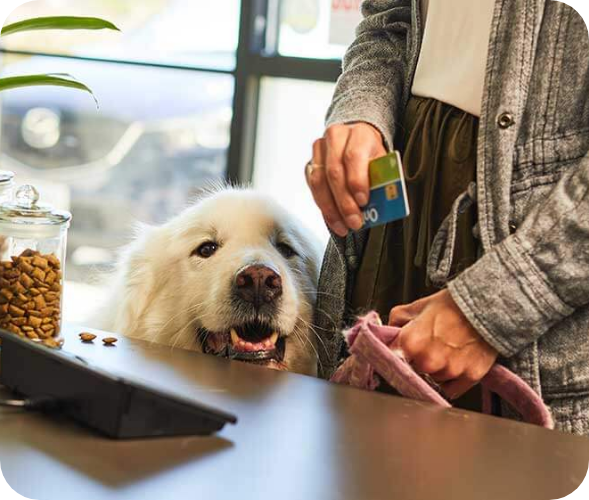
[[6, 176], [26, 210]]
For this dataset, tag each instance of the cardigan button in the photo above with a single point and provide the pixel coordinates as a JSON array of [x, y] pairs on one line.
[[476, 231], [506, 120], [472, 191]]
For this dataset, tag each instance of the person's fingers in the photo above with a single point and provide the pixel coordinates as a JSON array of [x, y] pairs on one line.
[[428, 362], [319, 152], [411, 343], [358, 153], [447, 374], [317, 181], [336, 139], [399, 318], [401, 315], [456, 388]]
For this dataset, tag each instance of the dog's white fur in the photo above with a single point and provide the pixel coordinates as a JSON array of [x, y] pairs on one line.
[[164, 294]]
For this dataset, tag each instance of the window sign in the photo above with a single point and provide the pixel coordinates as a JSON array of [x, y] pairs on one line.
[[344, 18]]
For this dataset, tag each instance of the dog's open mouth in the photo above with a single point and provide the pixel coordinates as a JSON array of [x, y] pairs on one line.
[[254, 342]]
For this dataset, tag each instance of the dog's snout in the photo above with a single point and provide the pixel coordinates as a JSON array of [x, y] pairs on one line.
[[258, 285]]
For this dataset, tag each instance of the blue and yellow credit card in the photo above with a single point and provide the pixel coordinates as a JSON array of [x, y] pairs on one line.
[[388, 193]]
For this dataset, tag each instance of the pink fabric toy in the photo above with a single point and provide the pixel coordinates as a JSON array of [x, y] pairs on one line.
[[371, 352]]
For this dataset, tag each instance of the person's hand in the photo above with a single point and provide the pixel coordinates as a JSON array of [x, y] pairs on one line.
[[437, 339], [338, 173]]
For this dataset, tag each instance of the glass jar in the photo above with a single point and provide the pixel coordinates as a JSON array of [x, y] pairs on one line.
[[6, 186], [33, 241]]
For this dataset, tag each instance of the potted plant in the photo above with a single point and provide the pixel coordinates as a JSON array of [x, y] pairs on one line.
[[51, 23], [51, 79]]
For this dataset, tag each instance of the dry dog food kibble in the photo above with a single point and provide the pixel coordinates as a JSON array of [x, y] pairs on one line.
[[110, 340], [54, 344], [30, 296], [87, 337]]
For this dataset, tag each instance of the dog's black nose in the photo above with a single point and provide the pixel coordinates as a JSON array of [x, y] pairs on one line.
[[258, 285]]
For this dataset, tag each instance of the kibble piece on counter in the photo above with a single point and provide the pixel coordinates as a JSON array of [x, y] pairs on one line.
[[110, 340], [87, 337], [30, 296], [54, 344]]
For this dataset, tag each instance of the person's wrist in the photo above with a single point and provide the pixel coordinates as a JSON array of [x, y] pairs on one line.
[[377, 133]]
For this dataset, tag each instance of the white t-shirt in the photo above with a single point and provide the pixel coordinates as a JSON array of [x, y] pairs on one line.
[[453, 58]]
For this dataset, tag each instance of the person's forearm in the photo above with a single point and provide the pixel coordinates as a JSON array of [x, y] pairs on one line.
[[537, 276], [375, 68]]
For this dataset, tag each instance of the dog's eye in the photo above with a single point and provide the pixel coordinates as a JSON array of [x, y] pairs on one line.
[[206, 250], [286, 250]]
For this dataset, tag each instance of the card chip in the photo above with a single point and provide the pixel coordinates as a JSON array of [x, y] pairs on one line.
[[392, 192]]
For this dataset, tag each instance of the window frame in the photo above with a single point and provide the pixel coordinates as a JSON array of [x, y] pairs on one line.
[[256, 58]]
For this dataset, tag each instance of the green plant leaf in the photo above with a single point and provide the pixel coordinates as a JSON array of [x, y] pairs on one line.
[[56, 80], [58, 23]]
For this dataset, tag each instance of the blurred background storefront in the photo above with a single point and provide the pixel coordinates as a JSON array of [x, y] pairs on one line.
[[190, 91]]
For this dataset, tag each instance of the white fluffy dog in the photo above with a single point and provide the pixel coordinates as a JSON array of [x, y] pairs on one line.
[[234, 275]]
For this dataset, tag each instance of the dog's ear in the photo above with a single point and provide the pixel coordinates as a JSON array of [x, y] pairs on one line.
[[137, 280]]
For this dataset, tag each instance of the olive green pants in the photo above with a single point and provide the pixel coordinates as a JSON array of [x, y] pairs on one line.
[[439, 160]]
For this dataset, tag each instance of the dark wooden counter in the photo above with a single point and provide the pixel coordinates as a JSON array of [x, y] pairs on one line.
[[297, 438]]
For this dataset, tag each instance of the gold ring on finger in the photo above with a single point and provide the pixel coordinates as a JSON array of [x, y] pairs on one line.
[[311, 167]]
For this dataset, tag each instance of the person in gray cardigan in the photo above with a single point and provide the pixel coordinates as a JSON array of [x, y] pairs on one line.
[[525, 301]]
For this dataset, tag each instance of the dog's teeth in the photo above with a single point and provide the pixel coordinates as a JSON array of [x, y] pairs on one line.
[[273, 338], [234, 337]]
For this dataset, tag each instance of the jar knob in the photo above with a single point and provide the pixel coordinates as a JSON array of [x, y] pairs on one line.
[[27, 196]]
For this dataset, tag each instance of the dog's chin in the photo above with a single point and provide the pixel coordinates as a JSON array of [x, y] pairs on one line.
[[253, 342]]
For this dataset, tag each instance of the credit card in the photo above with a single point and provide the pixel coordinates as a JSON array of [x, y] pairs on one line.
[[388, 193]]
